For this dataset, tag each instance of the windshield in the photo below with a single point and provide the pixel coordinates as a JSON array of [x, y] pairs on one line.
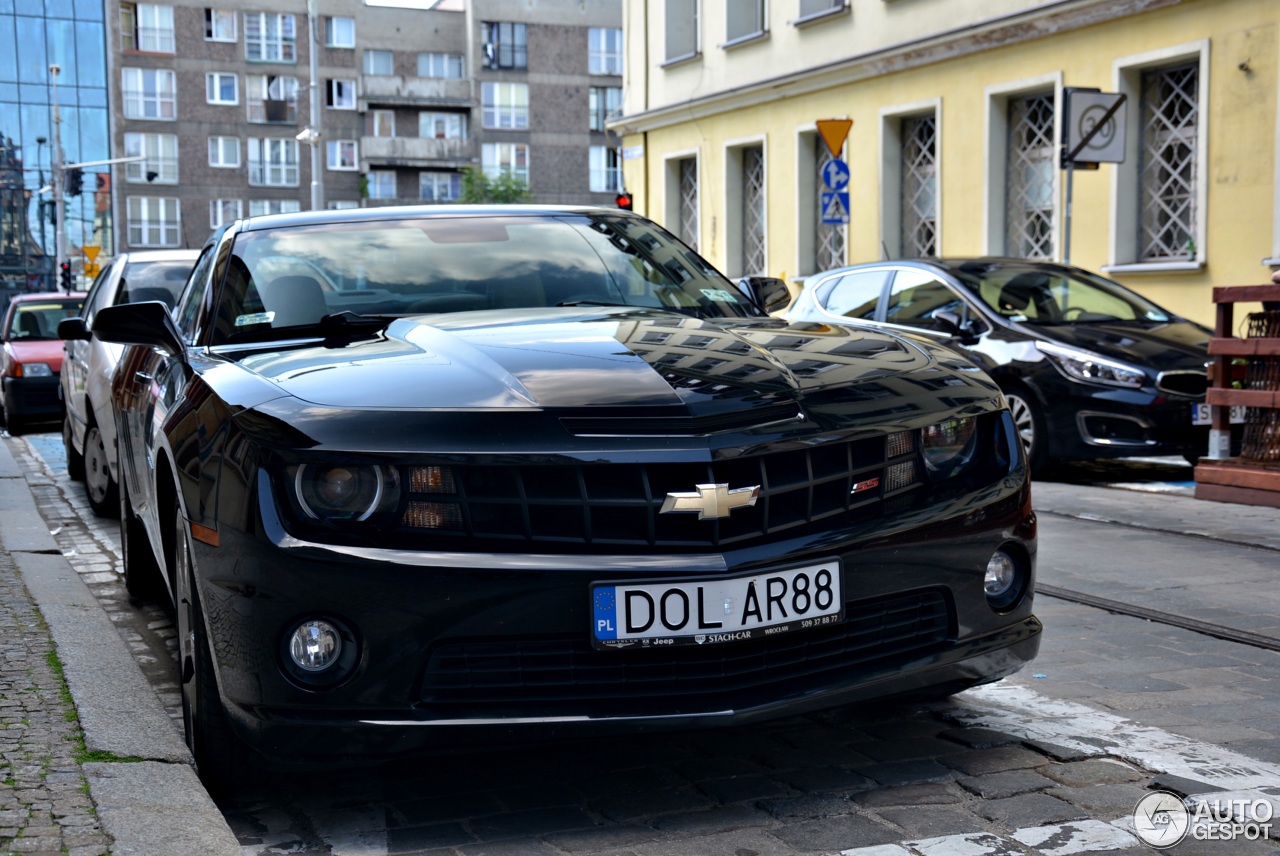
[[1051, 295], [39, 320], [292, 277], [154, 280]]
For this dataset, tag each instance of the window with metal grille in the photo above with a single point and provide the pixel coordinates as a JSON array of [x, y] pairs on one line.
[[504, 105], [146, 27], [919, 186], [829, 238], [689, 201], [273, 162], [1029, 213], [161, 153], [753, 235], [505, 45], [270, 37], [153, 221], [150, 93], [1168, 179], [681, 23]]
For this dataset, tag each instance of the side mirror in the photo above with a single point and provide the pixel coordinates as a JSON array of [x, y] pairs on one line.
[[767, 292], [148, 324], [949, 322], [74, 328]]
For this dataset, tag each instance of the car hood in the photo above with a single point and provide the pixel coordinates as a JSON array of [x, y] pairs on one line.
[[37, 351], [1173, 345], [553, 358]]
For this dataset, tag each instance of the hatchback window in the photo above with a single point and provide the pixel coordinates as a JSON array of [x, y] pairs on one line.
[[855, 295], [1051, 296], [917, 296]]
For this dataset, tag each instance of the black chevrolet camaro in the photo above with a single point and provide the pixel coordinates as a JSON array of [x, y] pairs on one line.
[[422, 476]]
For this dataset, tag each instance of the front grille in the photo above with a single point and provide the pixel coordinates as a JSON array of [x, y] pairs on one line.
[[564, 676], [616, 505], [1189, 384]]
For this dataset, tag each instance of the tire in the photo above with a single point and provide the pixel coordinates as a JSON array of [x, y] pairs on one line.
[[16, 425], [75, 460], [142, 576], [223, 761], [103, 492], [1029, 423]]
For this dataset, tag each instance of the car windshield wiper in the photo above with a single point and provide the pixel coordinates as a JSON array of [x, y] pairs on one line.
[[335, 325], [591, 302]]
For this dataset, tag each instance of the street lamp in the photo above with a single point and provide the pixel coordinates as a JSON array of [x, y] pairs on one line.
[[40, 203]]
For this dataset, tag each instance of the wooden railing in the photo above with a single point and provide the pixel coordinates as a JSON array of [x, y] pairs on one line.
[[1252, 477]]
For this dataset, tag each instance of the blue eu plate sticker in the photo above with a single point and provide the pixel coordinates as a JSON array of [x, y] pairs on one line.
[[606, 612]]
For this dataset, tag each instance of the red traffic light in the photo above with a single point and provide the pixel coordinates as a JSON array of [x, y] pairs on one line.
[[624, 201]]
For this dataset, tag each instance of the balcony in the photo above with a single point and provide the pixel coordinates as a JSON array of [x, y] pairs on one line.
[[422, 152], [414, 91], [274, 111]]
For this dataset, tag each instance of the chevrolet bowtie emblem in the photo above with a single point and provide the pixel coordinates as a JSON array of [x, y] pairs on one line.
[[711, 501]]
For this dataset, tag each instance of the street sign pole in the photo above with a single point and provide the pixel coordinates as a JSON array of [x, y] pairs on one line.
[[1093, 121]]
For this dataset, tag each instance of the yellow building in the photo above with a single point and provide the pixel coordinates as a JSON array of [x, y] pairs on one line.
[[959, 112]]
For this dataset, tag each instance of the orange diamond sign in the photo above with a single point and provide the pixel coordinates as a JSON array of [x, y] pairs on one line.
[[833, 133]]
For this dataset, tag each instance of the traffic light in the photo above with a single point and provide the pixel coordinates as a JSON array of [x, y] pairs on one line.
[[623, 200], [64, 277], [75, 181]]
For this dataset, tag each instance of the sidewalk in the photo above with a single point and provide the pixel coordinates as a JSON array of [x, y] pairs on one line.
[[130, 788]]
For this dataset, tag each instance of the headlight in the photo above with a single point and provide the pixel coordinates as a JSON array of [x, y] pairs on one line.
[[1091, 368], [32, 370], [345, 491], [948, 445]]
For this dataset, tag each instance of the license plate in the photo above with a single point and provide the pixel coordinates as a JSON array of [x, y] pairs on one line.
[[708, 612], [1200, 414]]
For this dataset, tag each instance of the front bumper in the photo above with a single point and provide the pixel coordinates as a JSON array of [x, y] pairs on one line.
[[1085, 421], [32, 397]]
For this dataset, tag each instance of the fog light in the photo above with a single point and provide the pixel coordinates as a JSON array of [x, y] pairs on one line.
[[315, 645], [1005, 581]]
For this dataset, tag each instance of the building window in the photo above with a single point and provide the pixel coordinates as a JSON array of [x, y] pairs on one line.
[[688, 219], [442, 126], [161, 153], [505, 105], [606, 171], [1029, 210], [342, 204], [382, 123], [150, 93], [273, 163], [382, 184], [153, 222], [681, 25], [221, 87], [504, 45], [340, 32], [753, 214], [224, 152], [440, 65], [818, 8], [1170, 110], [271, 98], [497, 159], [829, 238], [219, 25], [604, 50], [919, 186], [435, 186], [378, 63], [146, 27], [744, 19], [263, 207], [223, 211], [604, 101], [342, 154], [340, 94], [269, 37]]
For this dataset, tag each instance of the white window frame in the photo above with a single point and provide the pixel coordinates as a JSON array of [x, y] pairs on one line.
[[891, 119], [161, 227], [691, 20], [996, 125], [367, 62], [273, 162], [332, 92], [219, 148], [163, 96], [270, 37], [220, 25], [436, 177], [336, 36], [494, 158], [378, 179], [602, 101], [161, 153], [735, 260], [751, 17], [213, 88], [155, 35], [263, 207], [260, 88], [1126, 177], [440, 61], [604, 50], [382, 120], [220, 211], [504, 106], [604, 177], [455, 125], [342, 155]]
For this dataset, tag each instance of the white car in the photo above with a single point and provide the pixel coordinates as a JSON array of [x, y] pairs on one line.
[[88, 428]]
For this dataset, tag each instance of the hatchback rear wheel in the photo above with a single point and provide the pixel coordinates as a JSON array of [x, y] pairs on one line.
[[98, 484]]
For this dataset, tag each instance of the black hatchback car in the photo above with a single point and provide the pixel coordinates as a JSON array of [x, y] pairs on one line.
[[417, 476], [1090, 368]]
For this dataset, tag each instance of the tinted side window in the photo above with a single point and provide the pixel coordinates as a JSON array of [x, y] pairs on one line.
[[856, 295], [98, 294], [916, 295], [188, 306]]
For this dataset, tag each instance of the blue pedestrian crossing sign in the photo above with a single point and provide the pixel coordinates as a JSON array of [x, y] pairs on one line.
[[834, 207], [835, 174]]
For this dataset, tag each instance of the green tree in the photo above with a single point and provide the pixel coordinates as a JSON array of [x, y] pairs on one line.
[[477, 187]]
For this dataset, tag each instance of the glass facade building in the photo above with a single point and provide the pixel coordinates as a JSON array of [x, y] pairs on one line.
[[35, 34]]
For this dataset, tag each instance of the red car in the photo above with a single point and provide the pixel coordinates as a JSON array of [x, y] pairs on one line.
[[33, 356]]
